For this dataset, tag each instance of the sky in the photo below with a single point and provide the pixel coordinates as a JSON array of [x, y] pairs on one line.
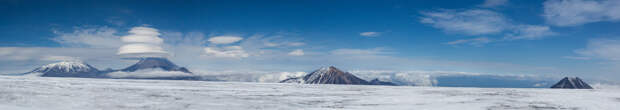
[[502, 37]]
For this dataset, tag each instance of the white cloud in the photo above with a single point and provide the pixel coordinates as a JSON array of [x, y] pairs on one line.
[[529, 32], [469, 22], [578, 12], [372, 51], [142, 42], [607, 49], [131, 50], [102, 37], [494, 3], [477, 22], [475, 41], [226, 52], [225, 39], [296, 52], [146, 31], [296, 44], [370, 34], [137, 38], [577, 58]]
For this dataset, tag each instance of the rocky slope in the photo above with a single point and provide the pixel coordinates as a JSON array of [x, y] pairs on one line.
[[571, 83]]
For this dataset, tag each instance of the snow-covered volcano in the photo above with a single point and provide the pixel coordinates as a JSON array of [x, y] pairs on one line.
[[155, 63], [332, 75], [572, 83], [66, 69]]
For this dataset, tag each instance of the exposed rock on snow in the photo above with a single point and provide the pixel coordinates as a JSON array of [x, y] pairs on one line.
[[571, 83]]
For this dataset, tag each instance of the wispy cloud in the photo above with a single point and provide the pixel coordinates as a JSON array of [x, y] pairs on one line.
[[99, 37], [370, 34], [475, 41], [483, 22], [296, 52], [225, 39], [227, 52], [577, 57], [493, 3], [372, 51], [578, 12], [607, 49], [60, 58], [469, 22], [529, 32]]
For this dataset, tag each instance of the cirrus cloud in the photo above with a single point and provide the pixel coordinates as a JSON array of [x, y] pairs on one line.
[[225, 39], [578, 12], [469, 22], [607, 49], [226, 52], [296, 52]]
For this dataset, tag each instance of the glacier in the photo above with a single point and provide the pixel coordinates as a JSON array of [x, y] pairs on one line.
[[53, 93]]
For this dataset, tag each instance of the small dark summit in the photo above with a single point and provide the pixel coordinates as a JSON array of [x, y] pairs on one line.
[[332, 75], [571, 83], [154, 63]]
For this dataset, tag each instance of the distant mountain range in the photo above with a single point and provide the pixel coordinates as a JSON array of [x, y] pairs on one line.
[[81, 69], [162, 68], [332, 75]]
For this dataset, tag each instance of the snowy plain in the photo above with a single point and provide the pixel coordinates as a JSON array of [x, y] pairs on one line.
[[45, 93]]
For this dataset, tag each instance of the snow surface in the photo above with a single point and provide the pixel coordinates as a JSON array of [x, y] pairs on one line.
[[47, 93]]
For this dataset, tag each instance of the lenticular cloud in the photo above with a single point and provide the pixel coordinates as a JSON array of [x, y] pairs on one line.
[[142, 42]]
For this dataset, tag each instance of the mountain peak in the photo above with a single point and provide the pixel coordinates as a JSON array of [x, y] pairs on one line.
[[155, 63], [332, 75], [66, 68], [572, 83]]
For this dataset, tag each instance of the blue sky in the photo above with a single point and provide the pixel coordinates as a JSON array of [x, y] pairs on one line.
[[533, 37]]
